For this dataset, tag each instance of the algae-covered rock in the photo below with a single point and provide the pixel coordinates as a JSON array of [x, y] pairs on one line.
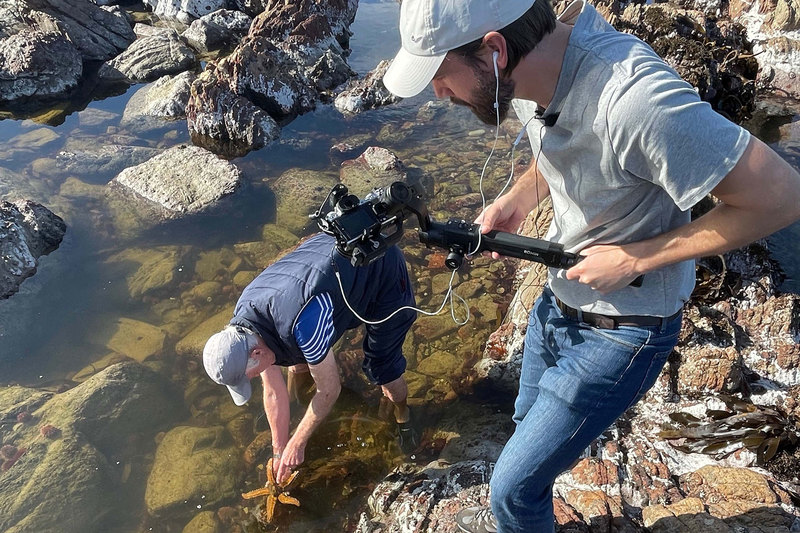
[[63, 482], [93, 368], [122, 400], [214, 264], [439, 365], [15, 399], [132, 338], [299, 193], [160, 268], [243, 278], [63, 485], [376, 167], [203, 522], [194, 465], [193, 343]]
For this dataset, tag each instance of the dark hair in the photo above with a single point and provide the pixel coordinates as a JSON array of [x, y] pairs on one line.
[[521, 36]]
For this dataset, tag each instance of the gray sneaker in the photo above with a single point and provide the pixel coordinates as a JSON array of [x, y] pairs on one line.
[[476, 520]]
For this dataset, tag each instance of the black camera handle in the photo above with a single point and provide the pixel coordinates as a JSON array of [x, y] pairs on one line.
[[462, 238]]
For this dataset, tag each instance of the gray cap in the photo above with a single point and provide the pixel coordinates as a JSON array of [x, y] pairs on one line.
[[225, 358]]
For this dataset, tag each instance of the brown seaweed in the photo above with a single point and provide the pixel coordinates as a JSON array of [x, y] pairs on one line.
[[763, 430]]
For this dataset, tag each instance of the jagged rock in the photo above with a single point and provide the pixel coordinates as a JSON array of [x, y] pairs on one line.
[[292, 55], [250, 7], [45, 43], [97, 33], [217, 29], [181, 181], [185, 11], [27, 231], [225, 122], [150, 58], [36, 63], [367, 93]]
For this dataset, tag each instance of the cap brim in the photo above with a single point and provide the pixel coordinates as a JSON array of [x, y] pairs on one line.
[[240, 392], [408, 74]]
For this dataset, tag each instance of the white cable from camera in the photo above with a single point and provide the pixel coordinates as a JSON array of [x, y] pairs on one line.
[[448, 295]]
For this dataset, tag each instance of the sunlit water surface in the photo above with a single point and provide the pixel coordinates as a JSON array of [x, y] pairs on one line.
[[58, 322]]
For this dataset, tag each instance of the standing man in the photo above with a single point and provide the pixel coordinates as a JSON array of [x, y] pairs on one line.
[[624, 148], [291, 315]]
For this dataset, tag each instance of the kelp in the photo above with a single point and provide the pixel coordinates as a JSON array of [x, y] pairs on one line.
[[762, 430]]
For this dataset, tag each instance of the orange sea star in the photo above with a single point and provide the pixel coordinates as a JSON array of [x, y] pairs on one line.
[[275, 492]]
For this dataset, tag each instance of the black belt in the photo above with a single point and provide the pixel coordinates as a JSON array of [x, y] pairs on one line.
[[612, 322]]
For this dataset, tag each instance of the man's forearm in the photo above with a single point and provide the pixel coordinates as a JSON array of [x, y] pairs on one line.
[[759, 196], [319, 408], [276, 407], [722, 229]]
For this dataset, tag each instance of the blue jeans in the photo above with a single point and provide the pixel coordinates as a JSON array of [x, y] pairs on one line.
[[575, 381]]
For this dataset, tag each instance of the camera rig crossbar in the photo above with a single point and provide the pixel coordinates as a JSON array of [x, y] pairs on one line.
[[365, 229]]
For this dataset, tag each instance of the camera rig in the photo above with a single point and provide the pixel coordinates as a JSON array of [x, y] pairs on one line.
[[365, 229]]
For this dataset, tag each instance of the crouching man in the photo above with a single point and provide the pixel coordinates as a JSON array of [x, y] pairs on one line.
[[291, 315]]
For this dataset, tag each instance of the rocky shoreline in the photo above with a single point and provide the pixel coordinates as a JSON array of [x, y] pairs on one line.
[[93, 436]]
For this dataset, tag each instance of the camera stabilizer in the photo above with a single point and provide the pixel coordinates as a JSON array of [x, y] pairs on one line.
[[365, 229]]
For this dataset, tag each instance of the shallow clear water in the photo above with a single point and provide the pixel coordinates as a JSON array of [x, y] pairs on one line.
[[62, 317]]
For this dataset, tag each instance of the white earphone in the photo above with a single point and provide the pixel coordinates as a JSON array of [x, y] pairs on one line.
[[495, 55]]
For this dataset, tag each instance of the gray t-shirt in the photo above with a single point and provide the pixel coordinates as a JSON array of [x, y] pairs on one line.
[[632, 150]]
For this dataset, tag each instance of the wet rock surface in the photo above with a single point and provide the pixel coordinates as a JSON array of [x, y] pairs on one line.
[[291, 56], [364, 94], [44, 45], [150, 58], [180, 181], [164, 99], [27, 231], [216, 30]]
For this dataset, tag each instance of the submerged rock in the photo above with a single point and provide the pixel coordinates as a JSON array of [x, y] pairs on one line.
[[27, 231], [299, 193], [99, 162], [194, 465], [85, 425], [376, 167]]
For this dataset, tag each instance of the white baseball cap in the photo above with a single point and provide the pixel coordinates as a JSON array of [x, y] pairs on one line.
[[225, 357], [431, 28]]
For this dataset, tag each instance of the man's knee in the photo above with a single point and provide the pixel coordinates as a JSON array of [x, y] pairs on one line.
[[396, 390]]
